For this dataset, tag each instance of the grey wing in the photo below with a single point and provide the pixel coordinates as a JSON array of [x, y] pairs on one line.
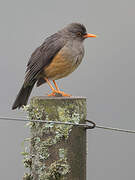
[[42, 56]]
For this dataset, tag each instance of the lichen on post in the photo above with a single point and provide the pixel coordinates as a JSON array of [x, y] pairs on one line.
[[57, 151]]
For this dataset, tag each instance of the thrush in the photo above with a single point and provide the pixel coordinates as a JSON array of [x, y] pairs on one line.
[[58, 56]]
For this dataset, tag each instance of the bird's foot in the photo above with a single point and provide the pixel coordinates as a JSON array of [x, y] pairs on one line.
[[57, 93]]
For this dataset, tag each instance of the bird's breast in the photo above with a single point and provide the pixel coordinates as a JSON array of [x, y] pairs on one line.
[[65, 62]]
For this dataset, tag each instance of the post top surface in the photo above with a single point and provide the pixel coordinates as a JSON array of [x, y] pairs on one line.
[[59, 98]]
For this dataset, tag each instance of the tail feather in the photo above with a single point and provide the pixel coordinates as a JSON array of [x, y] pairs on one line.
[[23, 96]]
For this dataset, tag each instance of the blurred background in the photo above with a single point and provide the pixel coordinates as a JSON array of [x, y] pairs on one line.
[[106, 77]]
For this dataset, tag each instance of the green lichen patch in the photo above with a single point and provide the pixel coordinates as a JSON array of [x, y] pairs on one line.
[[39, 150], [27, 176], [66, 113], [26, 154], [62, 153], [27, 162], [56, 171]]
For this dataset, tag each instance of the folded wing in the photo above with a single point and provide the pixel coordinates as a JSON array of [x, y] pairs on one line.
[[42, 57]]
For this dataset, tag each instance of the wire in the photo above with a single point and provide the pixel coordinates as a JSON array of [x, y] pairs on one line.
[[43, 121], [87, 126], [115, 129]]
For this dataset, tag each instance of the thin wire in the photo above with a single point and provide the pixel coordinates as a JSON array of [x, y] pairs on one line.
[[42, 121], [115, 129], [68, 123]]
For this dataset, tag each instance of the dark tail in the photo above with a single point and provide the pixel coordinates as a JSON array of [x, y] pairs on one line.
[[23, 96]]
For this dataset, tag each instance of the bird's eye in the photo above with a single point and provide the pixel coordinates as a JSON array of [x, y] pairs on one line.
[[79, 34]]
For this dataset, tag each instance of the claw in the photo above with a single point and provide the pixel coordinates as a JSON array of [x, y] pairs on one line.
[[59, 94], [56, 92]]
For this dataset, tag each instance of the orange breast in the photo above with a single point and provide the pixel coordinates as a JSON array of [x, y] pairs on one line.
[[59, 67]]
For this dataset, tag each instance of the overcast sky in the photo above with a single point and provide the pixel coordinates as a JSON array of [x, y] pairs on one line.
[[106, 77]]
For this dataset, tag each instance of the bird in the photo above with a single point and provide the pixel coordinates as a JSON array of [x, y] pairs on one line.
[[57, 57]]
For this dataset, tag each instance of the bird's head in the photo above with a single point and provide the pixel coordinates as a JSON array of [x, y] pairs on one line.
[[77, 31]]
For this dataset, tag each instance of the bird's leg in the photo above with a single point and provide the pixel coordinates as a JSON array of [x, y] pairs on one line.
[[56, 92], [57, 88], [47, 80]]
